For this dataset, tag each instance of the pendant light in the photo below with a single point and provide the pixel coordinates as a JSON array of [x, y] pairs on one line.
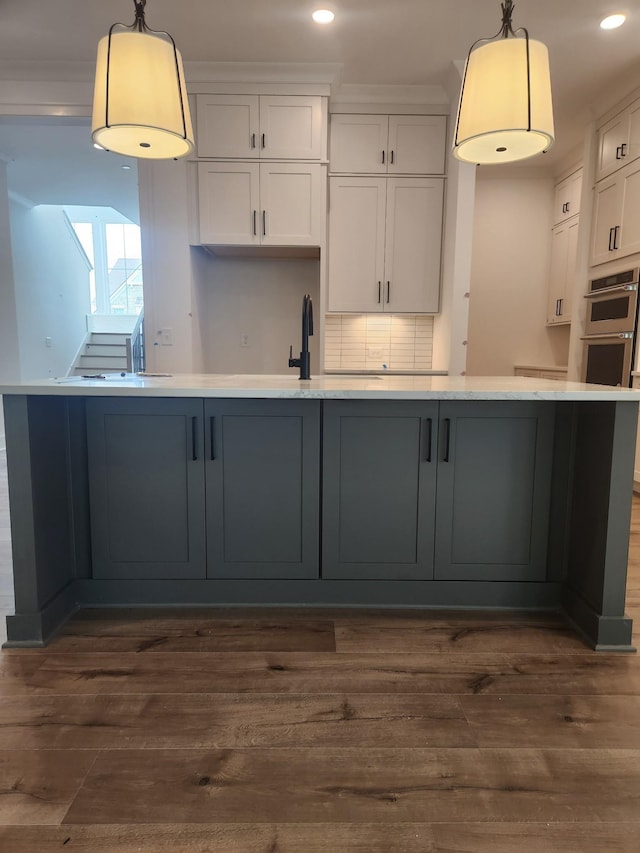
[[140, 105], [505, 111]]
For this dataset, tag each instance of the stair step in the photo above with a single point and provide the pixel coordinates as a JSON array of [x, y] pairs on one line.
[[108, 338], [102, 362], [117, 350]]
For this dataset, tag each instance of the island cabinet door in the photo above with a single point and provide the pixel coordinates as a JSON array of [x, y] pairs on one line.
[[262, 477], [379, 476], [494, 485], [146, 481]]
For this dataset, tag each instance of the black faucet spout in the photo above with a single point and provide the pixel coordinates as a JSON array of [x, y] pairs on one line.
[[304, 362]]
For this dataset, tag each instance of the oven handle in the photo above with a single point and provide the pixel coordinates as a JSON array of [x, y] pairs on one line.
[[608, 336], [619, 288]]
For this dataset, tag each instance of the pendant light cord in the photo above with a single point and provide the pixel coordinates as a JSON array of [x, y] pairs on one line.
[[140, 25]]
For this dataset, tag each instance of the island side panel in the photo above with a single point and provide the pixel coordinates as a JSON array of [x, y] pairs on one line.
[[41, 495], [599, 522]]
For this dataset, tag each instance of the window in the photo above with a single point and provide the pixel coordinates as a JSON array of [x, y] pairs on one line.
[[112, 244]]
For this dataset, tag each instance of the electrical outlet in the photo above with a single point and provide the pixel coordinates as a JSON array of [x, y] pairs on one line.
[[244, 340], [166, 337], [48, 342], [374, 352]]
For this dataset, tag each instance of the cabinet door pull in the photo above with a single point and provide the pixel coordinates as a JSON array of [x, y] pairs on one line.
[[393, 156], [264, 223], [616, 232], [194, 438], [253, 140], [447, 439], [388, 292], [429, 439], [557, 307], [623, 149], [264, 140], [560, 301], [255, 227], [379, 292], [568, 207], [611, 230], [383, 157], [619, 152], [212, 439]]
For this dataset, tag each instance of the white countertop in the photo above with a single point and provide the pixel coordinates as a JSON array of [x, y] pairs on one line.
[[327, 387]]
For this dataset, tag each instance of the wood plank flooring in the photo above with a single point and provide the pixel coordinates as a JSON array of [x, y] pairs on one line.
[[306, 732]]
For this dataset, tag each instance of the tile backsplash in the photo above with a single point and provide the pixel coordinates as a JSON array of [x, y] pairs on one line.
[[375, 342]]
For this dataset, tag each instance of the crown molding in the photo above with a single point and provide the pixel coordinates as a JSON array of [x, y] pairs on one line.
[[261, 72], [359, 93]]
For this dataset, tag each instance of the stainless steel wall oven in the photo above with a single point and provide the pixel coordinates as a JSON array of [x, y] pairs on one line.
[[610, 330]]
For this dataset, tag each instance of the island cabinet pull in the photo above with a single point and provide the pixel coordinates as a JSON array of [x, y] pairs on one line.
[[379, 291], [428, 439], [383, 157], [388, 292], [194, 438], [253, 140], [447, 439], [255, 229], [264, 223], [264, 140], [392, 156], [212, 439]]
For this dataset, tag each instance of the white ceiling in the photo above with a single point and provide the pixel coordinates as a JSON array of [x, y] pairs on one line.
[[387, 42]]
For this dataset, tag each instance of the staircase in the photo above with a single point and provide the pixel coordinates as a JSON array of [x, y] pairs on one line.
[[103, 352], [116, 350]]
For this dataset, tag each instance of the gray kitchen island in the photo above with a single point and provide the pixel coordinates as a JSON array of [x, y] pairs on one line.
[[371, 491]]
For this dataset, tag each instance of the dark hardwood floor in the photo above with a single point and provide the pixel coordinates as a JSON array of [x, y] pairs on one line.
[[307, 732]]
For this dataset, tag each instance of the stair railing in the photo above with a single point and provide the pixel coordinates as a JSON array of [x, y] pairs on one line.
[[135, 347]]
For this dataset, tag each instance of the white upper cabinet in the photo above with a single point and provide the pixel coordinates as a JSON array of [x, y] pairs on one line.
[[616, 216], [567, 197], [278, 127], [386, 145], [261, 204], [385, 244], [619, 141]]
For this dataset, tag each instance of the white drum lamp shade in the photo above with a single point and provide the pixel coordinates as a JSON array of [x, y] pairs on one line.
[[140, 105], [505, 111]]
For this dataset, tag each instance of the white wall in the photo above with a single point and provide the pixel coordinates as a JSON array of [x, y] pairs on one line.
[[509, 274], [9, 355], [260, 298], [51, 281]]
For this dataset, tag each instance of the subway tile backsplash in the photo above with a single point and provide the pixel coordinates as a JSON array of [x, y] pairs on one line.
[[374, 342]]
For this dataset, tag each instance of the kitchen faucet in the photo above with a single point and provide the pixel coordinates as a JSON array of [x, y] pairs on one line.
[[304, 362]]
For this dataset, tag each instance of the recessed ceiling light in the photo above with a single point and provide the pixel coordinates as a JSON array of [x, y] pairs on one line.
[[126, 167], [613, 21], [323, 16]]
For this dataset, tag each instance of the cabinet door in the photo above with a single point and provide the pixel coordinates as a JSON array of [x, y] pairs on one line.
[[291, 204], [229, 203], [567, 198], [612, 136], [564, 250], [494, 479], [413, 244], [146, 484], [290, 127], [378, 490], [417, 145], [619, 141], [356, 243], [228, 125], [607, 207], [629, 237], [262, 474], [358, 143]]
